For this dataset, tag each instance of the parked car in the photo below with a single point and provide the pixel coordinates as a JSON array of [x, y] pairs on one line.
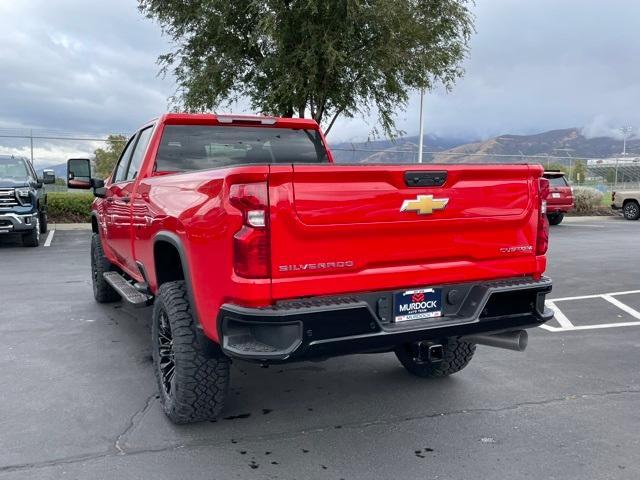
[[628, 201], [560, 199], [253, 245], [23, 199]]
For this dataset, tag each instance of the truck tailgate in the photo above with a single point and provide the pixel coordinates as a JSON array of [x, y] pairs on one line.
[[337, 229]]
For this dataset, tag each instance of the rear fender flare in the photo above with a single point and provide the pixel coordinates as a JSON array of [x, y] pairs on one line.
[[176, 242]]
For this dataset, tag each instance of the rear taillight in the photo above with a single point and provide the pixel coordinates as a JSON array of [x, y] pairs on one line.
[[251, 255], [542, 238]]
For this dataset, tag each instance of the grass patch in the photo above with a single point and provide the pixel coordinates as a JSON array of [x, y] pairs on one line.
[[606, 199]]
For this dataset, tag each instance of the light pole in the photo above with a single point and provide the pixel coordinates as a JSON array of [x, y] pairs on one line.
[[421, 126], [626, 132]]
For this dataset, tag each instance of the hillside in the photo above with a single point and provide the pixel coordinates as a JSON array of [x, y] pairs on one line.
[[401, 150], [565, 142], [60, 170]]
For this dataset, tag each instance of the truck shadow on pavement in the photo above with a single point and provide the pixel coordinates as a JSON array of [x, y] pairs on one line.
[[9, 241], [330, 394]]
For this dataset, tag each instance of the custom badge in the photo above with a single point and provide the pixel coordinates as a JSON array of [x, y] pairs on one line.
[[424, 204]]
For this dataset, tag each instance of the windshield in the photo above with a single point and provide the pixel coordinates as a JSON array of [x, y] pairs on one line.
[[13, 168], [197, 147]]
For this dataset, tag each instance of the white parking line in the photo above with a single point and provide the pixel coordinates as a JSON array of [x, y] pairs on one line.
[[559, 316], [622, 306], [567, 326], [599, 295], [47, 242], [583, 225], [590, 327]]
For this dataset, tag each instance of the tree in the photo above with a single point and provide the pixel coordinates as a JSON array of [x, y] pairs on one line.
[[579, 173], [317, 58], [106, 158]]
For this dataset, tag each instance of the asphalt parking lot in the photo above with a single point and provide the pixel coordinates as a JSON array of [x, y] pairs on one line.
[[79, 398]]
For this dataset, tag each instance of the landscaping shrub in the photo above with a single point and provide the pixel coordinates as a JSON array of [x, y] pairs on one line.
[[588, 200], [66, 207]]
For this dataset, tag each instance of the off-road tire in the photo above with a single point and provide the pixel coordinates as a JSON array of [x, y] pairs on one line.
[[555, 218], [32, 238], [198, 387], [631, 210], [44, 222], [102, 291], [456, 355]]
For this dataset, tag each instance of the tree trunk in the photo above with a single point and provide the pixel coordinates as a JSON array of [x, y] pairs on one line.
[[333, 120]]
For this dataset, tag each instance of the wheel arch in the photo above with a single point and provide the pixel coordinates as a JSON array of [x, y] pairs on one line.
[[171, 263], [169, 259]]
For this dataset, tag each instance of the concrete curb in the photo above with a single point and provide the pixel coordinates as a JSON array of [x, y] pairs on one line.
[[70, 226], [593, 218]]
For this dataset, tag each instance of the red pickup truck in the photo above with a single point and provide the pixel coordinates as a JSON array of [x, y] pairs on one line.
[[252, 244]]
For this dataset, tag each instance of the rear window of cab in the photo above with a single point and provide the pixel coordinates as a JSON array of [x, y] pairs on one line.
[[186, 148]]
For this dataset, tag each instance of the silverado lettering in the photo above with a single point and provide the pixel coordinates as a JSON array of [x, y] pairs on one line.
[[219, 221], [315, 266]]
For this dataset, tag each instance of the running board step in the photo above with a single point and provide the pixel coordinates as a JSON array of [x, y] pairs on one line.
[[126, 290]]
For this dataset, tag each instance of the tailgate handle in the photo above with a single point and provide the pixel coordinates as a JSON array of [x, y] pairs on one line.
[[425, 179]]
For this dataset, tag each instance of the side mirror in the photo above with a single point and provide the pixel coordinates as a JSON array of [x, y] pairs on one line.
[[48, 177], [98, 188], [79, 173]]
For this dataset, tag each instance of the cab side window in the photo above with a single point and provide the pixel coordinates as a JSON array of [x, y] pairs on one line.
[[138, 153], [121, 169]]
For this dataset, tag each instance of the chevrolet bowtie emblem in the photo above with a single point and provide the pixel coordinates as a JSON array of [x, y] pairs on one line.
[[424, 204]]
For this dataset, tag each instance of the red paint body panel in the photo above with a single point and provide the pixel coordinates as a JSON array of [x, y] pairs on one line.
[[343, 215]]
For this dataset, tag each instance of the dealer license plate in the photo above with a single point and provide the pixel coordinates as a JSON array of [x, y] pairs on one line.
[[417, 304]]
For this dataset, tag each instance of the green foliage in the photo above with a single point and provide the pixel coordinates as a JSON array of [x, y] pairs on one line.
[[321, 58], [106, 158], [579, 172], [69, 207]]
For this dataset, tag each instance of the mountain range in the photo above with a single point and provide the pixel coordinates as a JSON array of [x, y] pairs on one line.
[[568, 142]]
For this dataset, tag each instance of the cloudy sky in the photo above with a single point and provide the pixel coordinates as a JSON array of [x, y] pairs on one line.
[[90, 67]]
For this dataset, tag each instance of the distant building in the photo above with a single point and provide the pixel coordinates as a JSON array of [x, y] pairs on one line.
[[628, 169]]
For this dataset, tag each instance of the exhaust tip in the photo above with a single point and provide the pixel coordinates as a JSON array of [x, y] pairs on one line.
[[516, 341], [523, 340]]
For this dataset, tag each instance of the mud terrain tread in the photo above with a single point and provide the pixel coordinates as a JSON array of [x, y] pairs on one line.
[[201, 383], [102, 291]]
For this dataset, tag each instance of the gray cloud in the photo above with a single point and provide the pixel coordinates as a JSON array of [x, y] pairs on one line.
[[79, 66], [90, 67]]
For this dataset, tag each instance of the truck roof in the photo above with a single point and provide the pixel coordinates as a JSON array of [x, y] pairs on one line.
[[228, 119]]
